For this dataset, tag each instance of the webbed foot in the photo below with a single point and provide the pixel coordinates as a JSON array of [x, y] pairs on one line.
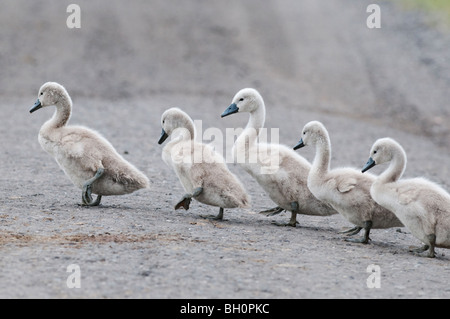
[[272, 211], [419, 250], [184, 202], [286, 224], [351, 231], [90, 201], [293, 221], [365, 238], [213, 217], [430, 248], [361, 240], [86, 196], [187, 198]]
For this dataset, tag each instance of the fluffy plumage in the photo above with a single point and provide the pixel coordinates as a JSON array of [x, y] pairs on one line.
[[346, 189], [81, 152], [421, 205], [197, 165], [280, 171]]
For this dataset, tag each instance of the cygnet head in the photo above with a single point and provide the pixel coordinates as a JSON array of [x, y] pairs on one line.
[[246, 100], [383, 151], [313, 132], [175, 121], [50, 94]]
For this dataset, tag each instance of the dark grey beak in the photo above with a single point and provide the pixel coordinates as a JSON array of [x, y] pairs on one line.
[[36, 106], [300, 144], [230, 110], [370, 163], [163, 137]]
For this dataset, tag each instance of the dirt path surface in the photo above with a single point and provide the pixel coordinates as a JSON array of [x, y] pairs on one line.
[[132, 60]]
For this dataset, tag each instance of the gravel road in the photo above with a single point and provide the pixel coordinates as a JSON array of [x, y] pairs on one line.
[[130, 61]]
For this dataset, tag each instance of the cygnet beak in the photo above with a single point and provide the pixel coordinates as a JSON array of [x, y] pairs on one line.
[[230, 110], [163, 137], [370, 163], [36, 106], [300, 144]]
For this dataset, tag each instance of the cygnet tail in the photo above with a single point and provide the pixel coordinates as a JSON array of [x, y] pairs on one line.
[[245, 202], [141, 181], [130, 179], [136, 180]]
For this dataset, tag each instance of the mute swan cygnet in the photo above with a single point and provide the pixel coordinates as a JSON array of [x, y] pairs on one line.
[[421, 205], [87, 158], [346, 189], [278, 169], [202, 172]]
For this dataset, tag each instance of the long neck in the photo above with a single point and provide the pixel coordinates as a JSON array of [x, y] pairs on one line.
[[62, 113], [254, 125], [257, 118], [321, 163], [395, 169], [180, 137], [184, 133]]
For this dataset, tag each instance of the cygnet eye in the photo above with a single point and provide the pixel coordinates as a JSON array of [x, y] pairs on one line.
[[241, 99], [42, 93]]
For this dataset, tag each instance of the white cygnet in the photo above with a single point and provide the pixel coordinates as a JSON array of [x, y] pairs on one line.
[[280, 171], [346, 189], [421, 205], [202, 171], [86, 157]]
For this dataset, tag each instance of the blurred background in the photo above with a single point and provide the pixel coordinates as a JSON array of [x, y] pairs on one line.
[[304, 54], [301, 55]]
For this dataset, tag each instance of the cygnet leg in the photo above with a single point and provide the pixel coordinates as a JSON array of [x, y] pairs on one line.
[[213, 217], [272, 211], [196, 193], [432, 239], [431, 253], [365, 239], [87, 190], [187, 198], [293, 221]]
